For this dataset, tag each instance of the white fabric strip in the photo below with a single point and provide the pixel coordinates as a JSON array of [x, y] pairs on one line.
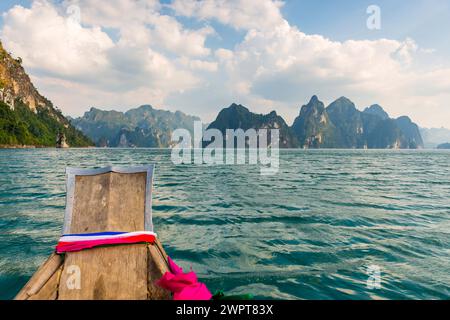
[[69, 238]]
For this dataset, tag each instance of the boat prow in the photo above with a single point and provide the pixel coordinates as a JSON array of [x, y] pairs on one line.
[[104, 200]]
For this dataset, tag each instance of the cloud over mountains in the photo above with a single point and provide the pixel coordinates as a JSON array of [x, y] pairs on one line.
[[82, 53]]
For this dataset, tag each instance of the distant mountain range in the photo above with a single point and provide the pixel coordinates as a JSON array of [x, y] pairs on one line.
[[140, 127], [26, 117], [434, 137], [339, 125]]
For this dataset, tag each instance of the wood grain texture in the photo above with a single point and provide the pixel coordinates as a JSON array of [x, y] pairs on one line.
[[157, 266], [41, 276], [108, 202], [116, 272], [161, 249], [50, 289]]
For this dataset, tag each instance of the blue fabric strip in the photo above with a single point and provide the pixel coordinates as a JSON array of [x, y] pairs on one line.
[[108, 233]]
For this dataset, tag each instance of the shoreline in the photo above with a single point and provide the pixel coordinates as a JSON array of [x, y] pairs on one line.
[[18, 146], [6, 147]]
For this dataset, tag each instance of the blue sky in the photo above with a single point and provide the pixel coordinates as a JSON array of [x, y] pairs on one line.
[[201, 56], [421, 20], [7, 4]]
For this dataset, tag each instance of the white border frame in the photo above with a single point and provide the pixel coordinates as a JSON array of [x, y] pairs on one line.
[[71, 173]]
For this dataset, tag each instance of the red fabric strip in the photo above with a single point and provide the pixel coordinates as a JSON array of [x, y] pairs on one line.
[[81, 245]]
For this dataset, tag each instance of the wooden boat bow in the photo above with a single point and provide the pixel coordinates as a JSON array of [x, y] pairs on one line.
[[100, 200]]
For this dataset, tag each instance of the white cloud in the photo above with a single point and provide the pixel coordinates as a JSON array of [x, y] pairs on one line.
[[56, 48], [279, 65], [140, 22], [240, 14], [156, 59], [286, 65], [200, 65], [53, 44], [169, 33], [117, 13]]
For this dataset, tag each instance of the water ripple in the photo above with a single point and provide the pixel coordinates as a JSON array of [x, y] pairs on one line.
[[308, 232]]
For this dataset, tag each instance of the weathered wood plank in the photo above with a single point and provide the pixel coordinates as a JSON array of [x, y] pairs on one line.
[[117, 272], [157, 266], [42, 275], [108, 202], [50, 289], [161, 249]]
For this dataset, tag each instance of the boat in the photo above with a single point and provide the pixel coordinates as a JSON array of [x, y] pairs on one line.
[[104, 200]]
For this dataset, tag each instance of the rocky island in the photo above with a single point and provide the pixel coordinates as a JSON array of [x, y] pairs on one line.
[[339, 125]]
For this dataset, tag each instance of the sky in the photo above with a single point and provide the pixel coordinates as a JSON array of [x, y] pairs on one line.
[[199, 56]]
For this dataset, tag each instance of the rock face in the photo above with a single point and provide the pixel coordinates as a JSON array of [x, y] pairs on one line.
[[144, 126], [351, 125], [16, 84], [341, 125], [411, 132], [26, 117], [313, 127], [376, 110], [61, 141], [237, 116]]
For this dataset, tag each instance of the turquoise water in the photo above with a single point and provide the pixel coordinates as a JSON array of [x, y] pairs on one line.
[[308, 232]]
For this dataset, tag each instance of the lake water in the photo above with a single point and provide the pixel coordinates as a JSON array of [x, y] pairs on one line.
[[309, 232]]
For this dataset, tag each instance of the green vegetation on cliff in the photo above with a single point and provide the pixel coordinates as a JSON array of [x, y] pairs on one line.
[[26, 117], [341, 125], [144, 126], [239, 117], [22, 126]]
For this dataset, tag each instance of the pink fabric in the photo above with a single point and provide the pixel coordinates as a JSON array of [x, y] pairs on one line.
[[81, 245], [184, 286]]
